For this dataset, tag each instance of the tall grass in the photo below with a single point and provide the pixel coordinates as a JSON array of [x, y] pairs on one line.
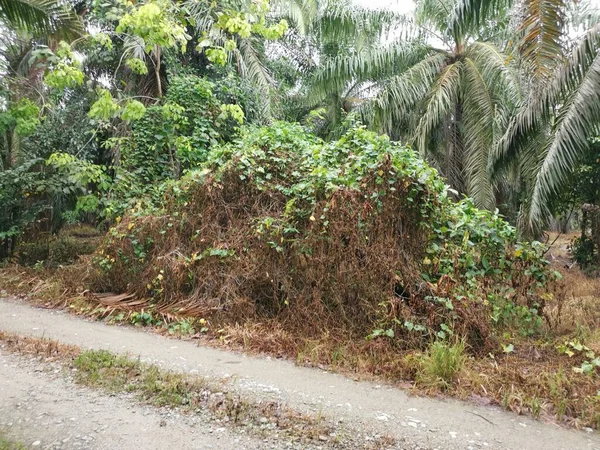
[[441, 363]]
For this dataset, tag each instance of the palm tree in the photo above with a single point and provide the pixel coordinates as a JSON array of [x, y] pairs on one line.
[[336, 48], [452, 98], [551, 133]]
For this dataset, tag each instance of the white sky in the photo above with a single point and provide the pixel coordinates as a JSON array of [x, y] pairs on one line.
[[403, 6]]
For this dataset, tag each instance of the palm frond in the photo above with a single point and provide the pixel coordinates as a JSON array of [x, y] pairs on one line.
[[570, 110], [335, 74], [401, 94], [342, 23], [41, 17], [478, 131], [472, 13], [250, 65], [542, 32], [434, 14], [441, 102]]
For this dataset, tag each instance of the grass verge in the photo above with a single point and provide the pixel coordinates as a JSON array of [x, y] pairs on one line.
[[114, 373], [9, 444]]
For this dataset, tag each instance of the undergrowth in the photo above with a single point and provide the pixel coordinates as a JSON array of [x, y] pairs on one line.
[[358, 236]]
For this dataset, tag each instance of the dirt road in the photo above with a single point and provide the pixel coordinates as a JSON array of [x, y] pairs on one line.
[[44, 411], [366, 407]]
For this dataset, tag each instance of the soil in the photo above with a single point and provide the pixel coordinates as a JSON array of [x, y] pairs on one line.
[[366, 409]]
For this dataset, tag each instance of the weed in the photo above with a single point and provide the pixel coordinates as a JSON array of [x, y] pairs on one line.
[[118, 373], [441, 363], [535, 406]]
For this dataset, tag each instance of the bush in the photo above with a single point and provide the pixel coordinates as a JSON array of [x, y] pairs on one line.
[[30, 253], [355, 235], [64, 249], [172, 137]]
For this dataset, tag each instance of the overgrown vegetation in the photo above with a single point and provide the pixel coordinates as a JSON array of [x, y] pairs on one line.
[[357, 234], [230, 159]]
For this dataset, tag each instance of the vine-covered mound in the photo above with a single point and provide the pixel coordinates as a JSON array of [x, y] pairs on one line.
[[356, 235]]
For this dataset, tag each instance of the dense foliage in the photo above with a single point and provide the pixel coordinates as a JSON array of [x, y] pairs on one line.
[[358, 231], [108, 114]]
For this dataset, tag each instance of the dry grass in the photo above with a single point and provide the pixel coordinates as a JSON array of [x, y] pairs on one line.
[[577, 313], [38, 347], [44, 286]]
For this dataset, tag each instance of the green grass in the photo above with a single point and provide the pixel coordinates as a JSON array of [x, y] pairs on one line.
[[116, 373], [441, 364], [6, 444]]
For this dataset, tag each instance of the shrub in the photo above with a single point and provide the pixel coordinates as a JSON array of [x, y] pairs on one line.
[[30, 253], [356, 235], [66, 250]]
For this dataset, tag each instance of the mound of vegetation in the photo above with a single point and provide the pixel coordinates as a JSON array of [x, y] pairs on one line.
[[358, 235]]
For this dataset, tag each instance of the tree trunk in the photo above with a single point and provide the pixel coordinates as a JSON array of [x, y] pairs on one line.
[[591, 215], [456, 154], [157, 72]]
